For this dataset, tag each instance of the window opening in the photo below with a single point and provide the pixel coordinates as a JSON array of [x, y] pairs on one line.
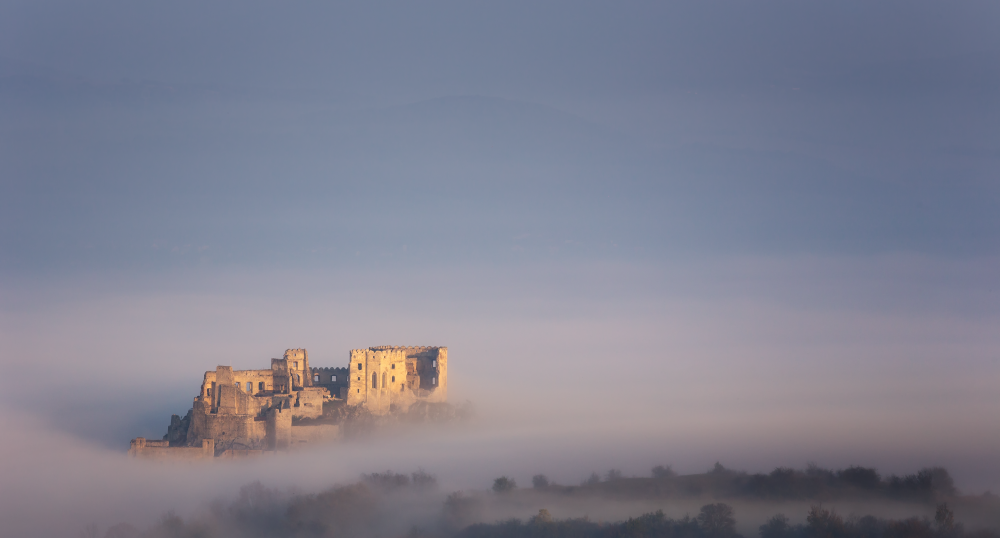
[[359, 366], [383, 380], [316, 378], [260, 386], [333, 379], [374, 380], [393, 379], [250, 387], [393, 366], [434, 381], [434, 363]]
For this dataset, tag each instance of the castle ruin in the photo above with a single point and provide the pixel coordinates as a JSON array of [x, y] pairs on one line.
[[243, 412]]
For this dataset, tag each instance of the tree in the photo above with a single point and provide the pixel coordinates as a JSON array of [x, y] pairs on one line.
[[860, 477], [663, 472], [613, 474], [822, 523], [504, 484], [776, 527], [423, 480], [944, 521], [944, 517], [543, 517], [539, 481], [717, 520]]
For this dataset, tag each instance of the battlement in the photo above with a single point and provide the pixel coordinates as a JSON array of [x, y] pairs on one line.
[[408, 349]]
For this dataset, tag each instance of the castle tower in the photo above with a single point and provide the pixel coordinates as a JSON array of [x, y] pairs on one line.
[[377, 378], [298, 368], [383, 376]]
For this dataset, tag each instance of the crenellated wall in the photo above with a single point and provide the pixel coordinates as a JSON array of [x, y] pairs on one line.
[[335, 380]]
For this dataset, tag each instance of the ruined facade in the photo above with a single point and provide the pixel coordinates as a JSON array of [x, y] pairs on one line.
[[241, 412]]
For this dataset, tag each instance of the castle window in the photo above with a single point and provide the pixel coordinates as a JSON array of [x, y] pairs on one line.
[[298, 378], [359, 391], [383, 380], [316, 378], [359, 366], [393, 366], [333, 379], [434, 363], [374, 381], [237, 384], [434, 381], [250, 387], [402, 387], [393, 379], [260, 386], [296, 363]]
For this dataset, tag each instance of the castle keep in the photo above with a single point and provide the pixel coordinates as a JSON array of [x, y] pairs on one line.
[[240, 412]]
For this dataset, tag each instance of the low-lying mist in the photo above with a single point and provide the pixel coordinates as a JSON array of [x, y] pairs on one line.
[[855, 501], [55, 484]]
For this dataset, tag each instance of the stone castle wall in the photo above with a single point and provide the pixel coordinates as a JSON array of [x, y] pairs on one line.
[[149, 448], [242, 412]]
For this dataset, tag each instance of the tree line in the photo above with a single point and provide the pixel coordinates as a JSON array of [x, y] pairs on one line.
[[396, 504], [811, 483]]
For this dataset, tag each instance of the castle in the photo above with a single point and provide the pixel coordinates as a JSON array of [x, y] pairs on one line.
[[242, 412]]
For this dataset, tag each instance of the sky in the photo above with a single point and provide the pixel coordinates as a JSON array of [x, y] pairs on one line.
[[764, 233]]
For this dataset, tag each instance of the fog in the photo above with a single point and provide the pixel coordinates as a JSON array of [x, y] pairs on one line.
[[649, 234], [572, 370]]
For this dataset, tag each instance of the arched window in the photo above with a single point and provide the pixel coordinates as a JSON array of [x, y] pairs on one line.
[[383, 380], [374, 380], [298, 378]]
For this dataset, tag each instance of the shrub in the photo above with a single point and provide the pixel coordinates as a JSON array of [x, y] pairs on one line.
[[504, 484]]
